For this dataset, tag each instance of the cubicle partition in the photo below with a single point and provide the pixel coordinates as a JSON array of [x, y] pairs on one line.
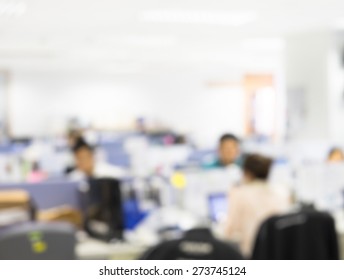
[[50, 194], [321, 184]]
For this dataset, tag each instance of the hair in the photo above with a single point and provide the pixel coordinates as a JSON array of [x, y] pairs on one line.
[[257, 166], [334, 150], [73, 132], [81, 144], [228, 136]]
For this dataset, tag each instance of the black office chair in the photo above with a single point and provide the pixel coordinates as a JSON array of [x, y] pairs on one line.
[[305, 235], [38, 241], [197, 244]]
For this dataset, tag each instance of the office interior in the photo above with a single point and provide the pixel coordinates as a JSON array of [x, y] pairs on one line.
[[147, 88]]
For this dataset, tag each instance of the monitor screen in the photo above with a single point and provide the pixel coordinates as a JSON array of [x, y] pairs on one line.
[[218, 206]]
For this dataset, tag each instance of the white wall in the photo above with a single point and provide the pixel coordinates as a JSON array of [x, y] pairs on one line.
[[307, 69], [336, 97], [2, 98], [314, 65], [42, 101]]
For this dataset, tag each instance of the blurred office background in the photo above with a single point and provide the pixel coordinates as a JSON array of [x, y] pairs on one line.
[[153, 85]]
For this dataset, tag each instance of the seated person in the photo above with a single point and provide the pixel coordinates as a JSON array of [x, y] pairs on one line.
[[87, 167], [36, 175], [228, 152], [253, 202], [73, 137], [335, 155]]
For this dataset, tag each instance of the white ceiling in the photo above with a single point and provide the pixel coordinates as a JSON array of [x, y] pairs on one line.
[[112, 34]]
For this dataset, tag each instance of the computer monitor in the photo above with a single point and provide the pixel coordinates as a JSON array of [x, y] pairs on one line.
[[218, 206]]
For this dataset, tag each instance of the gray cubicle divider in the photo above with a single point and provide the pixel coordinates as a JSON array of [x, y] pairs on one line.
[[50, 194]]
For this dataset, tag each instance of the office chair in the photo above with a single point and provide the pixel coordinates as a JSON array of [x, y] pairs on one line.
[[304, 235], [197, 244], [37, 241]]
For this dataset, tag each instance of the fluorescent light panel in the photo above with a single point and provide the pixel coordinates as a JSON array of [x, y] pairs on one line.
[[231, 18], [150, 41], [269, 44]]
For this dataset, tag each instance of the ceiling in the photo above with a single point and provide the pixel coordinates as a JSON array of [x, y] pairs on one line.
[[135, 35]]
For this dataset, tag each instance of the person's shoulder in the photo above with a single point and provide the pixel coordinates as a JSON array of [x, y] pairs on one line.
[[239, 191], [249, 190], [210, 165]]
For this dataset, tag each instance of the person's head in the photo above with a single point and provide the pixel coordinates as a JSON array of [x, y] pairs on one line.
[[74, 136], [228, 149], [35, 166], [256, 167], [84, 157], [335, 155]]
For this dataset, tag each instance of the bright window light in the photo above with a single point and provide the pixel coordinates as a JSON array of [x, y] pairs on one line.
[[199, 17]]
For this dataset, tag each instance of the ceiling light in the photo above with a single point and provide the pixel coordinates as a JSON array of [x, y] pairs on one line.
[[268, 44], [199, 17], [12, 8], [150, 41], [122, 68]]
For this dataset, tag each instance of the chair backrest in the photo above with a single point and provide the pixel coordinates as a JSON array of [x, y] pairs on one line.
[[306, 235], [38, 241], [197, 244]]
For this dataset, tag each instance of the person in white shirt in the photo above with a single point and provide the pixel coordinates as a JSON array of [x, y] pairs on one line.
[[88, 167], [253, 202]]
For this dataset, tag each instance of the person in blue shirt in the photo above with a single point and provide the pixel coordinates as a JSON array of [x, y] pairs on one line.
[[228, 152]]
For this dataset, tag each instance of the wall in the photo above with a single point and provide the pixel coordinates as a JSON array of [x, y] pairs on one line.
[[42, 101], [307, 72], [2, 99], [336, 97]]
